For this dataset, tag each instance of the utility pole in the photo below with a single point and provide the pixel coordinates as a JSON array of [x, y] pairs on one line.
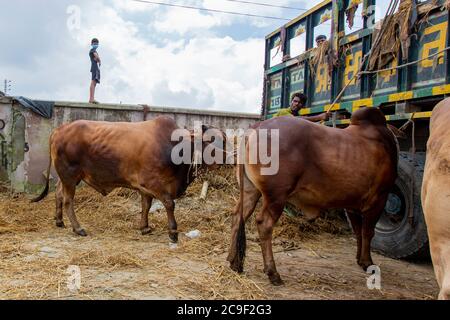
[[7, 86]]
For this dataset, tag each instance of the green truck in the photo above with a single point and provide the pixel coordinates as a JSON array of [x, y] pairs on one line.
[[379, 53]]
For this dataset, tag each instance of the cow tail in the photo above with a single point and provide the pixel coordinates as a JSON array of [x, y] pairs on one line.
[[44, 193], [241, 242]]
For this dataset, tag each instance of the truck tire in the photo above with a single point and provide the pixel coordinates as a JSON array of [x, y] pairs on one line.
[[396, 235]]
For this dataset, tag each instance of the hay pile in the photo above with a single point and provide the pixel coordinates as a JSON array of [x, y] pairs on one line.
[[393, 32], [396, 32], [351, 10], [319, 56], [35, 255], [324, 54]]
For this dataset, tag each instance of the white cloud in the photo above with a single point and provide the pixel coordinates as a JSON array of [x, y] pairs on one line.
[[182, 21], [203, 72], [133, 6]]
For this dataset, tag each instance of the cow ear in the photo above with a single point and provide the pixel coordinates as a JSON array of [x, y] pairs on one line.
[[204, 128]]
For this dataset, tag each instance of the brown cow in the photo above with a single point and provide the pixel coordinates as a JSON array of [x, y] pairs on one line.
[[319, 168], [107, 155], [436, 195]]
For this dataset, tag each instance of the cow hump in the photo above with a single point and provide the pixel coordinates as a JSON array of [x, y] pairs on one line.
[[368, 115]]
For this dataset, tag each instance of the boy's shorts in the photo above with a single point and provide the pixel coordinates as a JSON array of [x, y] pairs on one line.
[[96, 75]]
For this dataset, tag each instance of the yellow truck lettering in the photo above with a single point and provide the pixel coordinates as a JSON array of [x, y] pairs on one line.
[[352, 65], [322, 78], [387, 75], [438, 44]]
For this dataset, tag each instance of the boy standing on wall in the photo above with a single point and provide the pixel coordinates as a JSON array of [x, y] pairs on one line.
[[95, 69]]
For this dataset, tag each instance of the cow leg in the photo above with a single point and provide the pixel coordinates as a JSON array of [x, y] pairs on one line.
[[444, 293], [59, 205], [369, 221], [265, 221], [440, 255], [68, 195], [146, 201], [251, 197], [356, 221], [169, 204], [368, 231]]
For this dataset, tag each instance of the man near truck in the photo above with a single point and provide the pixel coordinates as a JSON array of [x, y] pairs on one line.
[[320, 39], [298, 102]]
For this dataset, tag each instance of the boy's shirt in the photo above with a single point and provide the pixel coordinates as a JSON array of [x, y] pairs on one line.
[[94, 63]]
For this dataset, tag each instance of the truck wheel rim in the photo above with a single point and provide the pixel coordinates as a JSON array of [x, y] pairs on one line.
[[394, 214]]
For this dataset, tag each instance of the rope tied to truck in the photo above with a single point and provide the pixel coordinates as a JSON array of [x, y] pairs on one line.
[[361, 72], [434, 56], [413, 167], [356, 75], [407, 12], [368, 55]]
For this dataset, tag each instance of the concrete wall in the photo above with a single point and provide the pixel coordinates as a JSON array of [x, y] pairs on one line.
[[26, 134], [5, 129]]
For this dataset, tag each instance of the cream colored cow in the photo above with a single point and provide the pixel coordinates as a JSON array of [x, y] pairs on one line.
[[436, 194]]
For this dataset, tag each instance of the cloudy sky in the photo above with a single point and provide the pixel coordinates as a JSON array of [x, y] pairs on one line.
[[150, 54]]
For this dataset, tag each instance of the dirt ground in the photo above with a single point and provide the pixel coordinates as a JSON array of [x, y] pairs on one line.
[[316, 261]]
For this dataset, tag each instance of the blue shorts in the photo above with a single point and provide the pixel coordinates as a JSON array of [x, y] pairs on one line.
[[96, 75]]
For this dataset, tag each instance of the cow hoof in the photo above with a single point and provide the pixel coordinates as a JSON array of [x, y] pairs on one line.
[[60, 224], [275, 279], [146, 231], [365, 264], [80, 232], [236, 267], [173, 237]]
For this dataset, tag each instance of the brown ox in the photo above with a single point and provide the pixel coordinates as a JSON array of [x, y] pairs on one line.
[[436, 195], [319, 168], [107, 155]]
